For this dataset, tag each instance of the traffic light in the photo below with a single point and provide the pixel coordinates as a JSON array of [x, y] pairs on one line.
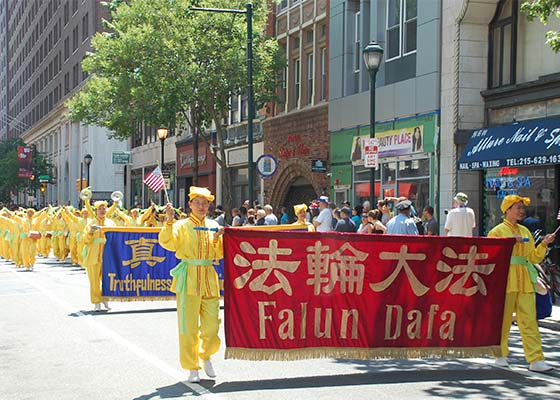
[[43, 187], [82, 186]]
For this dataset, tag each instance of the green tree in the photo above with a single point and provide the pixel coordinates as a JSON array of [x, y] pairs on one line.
[[165, 64], [543, 10], [9, 179]]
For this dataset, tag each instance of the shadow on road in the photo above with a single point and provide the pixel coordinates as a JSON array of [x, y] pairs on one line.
[[456, 383], [105, 312], [168, 392]]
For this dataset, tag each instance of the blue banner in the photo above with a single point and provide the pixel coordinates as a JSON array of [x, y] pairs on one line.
[[135, 265]]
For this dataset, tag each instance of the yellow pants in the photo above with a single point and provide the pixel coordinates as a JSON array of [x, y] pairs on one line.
[[523, 304], [94, 276], [201, 330], [28, 252]]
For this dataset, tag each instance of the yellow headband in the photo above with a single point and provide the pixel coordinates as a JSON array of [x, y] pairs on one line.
[[511, 199], [195, 191], [299, 208]]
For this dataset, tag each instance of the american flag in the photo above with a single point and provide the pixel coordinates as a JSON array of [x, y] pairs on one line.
[[558, 216], [154, 180]]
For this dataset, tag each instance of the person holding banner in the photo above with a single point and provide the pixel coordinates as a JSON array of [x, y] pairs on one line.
[[198, 242], [94, 241], [522, 278]]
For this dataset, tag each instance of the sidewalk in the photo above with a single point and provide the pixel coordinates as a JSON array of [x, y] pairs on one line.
[[552, 322]]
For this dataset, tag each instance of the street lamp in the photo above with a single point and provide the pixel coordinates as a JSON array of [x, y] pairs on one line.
[[251, 107], [87, 160], [373, 53], [162, 135]]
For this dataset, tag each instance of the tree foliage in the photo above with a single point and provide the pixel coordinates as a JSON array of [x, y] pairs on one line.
[[164, 64], [9, 166], [543, 10]]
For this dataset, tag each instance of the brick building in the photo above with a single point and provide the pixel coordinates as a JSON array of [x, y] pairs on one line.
[[297, 134]]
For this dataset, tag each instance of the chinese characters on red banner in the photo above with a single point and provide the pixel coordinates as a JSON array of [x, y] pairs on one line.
[[288, 290]]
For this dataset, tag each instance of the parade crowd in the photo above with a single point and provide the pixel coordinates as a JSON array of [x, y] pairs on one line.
[[196, 236]]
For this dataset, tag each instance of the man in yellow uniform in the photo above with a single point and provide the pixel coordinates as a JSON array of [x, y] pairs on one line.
[[522, 277], [301, 213], [94, 241], [198, 242]]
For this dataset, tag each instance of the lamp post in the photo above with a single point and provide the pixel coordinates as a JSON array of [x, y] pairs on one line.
[[251, 107], [373, 53], [87, 160], [162, 135]]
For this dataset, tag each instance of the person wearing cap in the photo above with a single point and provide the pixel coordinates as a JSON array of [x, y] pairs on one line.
[[345, 223], [402, 223], [198, 243], [521, 281], [323, 221], [300, 210], [461, 219], [94, 243]]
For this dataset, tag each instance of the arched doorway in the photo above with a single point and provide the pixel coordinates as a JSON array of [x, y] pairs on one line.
[[300, 191]]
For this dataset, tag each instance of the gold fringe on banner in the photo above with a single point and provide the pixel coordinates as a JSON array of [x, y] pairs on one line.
[[239, 353], [138, 298]]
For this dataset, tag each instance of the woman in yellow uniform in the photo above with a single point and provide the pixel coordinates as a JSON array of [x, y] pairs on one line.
[[522, 277], [28, 244], [94, 241], [198, 242], [301, 211]]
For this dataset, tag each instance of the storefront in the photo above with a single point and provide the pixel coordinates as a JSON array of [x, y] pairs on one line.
[[521, 158], [406, 162]]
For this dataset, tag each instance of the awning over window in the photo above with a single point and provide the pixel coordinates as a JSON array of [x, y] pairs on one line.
[[535, 142]]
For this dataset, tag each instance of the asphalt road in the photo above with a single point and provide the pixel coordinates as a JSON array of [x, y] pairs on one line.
[[52, 346]]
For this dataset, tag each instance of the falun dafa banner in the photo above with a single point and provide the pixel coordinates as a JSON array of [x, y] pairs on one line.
[[293, 295]]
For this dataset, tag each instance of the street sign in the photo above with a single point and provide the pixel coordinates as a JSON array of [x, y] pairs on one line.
[[44, 178], [318, 165], [267, 165], [371, 152], [122, 157]]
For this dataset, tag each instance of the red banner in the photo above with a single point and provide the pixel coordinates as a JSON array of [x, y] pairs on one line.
[[25, 161], [293, 295]]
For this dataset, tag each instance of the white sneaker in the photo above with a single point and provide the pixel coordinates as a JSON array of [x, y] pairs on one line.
[[193, 376], [106, 304], [540, 366], [97, 307], [209, 368], [501, 362]]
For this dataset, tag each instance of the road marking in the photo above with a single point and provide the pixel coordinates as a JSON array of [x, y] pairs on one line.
[[150, 358]]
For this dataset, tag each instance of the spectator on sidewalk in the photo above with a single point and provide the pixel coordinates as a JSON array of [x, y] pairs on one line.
[[461, 219], [402, 223]]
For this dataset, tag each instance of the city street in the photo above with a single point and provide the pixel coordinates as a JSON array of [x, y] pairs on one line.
[[52, 346]]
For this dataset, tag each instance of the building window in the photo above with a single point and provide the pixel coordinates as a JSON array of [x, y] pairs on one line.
[[502, 45], [297, 78], [75, 39], [66, 48], [401, 28], [85, 27], [323, 74], [310, 78], [357, 59], [66, 13]]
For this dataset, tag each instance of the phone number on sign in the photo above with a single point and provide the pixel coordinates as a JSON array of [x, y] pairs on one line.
[[536, 160]]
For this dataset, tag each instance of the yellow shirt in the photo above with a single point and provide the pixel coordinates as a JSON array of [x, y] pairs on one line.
[[95, 241], [192, 245], [518, 277]]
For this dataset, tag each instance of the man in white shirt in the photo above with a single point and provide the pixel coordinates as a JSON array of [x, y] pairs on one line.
[[323, 222], [270, 218], [461, 220]]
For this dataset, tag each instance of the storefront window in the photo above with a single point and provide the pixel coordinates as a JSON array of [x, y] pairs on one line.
[[409, 178], [536, 183]]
